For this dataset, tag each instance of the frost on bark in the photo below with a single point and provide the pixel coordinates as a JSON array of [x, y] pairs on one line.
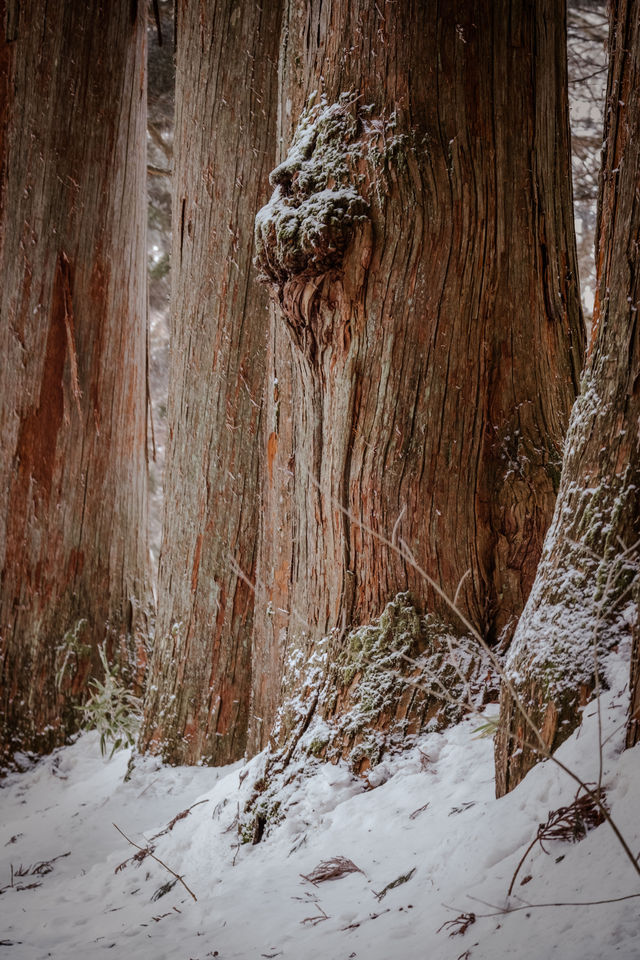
[[197, 702], [385, 682], [73, 557], [426, 337], [585, 597]]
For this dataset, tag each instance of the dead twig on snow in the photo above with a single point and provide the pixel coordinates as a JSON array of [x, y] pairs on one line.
[[458, 925], [404, 878], [314, 920], [566, 823], [147, 852]]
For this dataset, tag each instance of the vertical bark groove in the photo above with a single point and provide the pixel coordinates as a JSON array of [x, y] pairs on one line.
[[198, 698], [413, 331], [584, 597], [72, 339]]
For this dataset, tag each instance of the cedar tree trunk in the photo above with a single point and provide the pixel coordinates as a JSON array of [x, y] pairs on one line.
[[585, 597], [226, 84], [73, 555], [427, 338]]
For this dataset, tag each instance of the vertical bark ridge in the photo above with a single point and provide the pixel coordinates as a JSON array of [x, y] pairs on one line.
[[585, 596], [72, 336], [425, 347], [198, 699]]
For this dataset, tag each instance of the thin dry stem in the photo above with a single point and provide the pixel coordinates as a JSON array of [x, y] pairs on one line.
[[501, 911], [148, 853]]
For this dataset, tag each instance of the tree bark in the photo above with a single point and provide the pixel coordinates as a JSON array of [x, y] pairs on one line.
[[226, 84], [73, 555], [585, 598], [427, 339]]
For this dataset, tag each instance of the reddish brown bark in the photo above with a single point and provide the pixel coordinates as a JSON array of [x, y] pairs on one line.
[[72, 341], [198, 698], [426, 343], [584, 599]]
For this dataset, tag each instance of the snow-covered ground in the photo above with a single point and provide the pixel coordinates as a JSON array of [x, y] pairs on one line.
[[432, 822]]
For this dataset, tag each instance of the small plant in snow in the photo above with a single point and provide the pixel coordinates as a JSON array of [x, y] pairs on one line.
[[112, 710], [488, 729]]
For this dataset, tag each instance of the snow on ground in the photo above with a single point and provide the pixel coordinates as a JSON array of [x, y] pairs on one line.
[[434, 821]]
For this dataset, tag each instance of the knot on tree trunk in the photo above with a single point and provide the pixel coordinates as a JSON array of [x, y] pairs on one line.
[[303, 232]]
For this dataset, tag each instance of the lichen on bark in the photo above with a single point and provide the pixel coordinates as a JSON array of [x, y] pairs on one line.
[[399, 676], [365, 698], [384, 683]]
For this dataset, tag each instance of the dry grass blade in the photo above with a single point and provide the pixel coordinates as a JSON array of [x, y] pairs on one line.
[[138, 857], [177, 818], [39, 869], [331, 870], [499, 911], [416, 813], [404, 878], [317, 919]]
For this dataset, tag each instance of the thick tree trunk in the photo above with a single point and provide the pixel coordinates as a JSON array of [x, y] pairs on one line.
[[427, 339], [72, 340], [585, 598], [226, 84]]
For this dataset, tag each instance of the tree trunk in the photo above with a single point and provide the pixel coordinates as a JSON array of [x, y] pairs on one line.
[[585, 597], [426, 341], [72, 339], [198, 697]]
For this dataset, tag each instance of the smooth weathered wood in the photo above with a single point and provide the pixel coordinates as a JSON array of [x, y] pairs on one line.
[[583, 601], [72, 342], [425, 347], [226, 84]]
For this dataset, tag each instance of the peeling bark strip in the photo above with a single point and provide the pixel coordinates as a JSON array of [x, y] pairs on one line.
[[73, 557], [426, 337], [586, 593], [226, 99]]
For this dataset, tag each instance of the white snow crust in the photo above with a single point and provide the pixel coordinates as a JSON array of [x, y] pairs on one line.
[[434, 812]]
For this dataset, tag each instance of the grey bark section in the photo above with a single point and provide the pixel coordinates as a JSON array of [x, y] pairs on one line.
[[426, 335], [585, 598], [226, 93], [73, 553]]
